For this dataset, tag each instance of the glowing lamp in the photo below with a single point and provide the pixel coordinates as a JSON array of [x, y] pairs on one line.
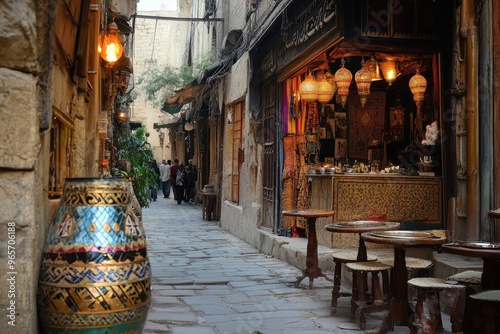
[[308, 89], [111, 47], [418, 85], [343, 78], [363, 79], [325, 89], [388, 68]]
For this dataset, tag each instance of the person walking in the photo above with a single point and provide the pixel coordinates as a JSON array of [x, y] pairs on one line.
[[173, 175], [156, 172], [180, 180], [165, 178]]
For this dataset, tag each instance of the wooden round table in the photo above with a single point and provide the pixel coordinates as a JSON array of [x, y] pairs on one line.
[[488, 251], [311, 270], [494, 214], [399, 308], [361, 226]]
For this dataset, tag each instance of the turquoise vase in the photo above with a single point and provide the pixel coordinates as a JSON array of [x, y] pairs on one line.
[[95, 274]]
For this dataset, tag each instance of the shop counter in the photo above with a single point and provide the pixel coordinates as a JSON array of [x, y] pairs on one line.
[[364, 196]]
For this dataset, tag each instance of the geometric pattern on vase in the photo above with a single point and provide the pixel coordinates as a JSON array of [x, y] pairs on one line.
[[83, 275], [95, 276], [94, 298]]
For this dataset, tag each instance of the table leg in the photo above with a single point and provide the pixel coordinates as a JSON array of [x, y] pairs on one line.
[[362, 255], [491, 272], [399, 308], [311, 270]]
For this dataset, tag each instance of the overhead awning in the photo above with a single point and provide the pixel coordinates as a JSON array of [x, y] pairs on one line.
[[189, 93], [185, 95]]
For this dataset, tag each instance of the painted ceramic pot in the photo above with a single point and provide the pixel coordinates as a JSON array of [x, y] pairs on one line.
[[95, 274]]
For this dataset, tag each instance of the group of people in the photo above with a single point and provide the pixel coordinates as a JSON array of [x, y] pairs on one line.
[[175, 178]]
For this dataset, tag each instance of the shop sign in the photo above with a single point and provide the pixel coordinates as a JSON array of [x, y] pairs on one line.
[[302, 24], [307, 23]]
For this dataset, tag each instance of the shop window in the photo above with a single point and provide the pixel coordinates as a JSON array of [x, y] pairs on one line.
[[238, 113], [61, 157]]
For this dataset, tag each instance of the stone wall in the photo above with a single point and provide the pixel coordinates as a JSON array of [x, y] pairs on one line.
[[25, 58]]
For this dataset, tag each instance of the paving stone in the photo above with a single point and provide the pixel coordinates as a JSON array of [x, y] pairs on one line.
[[207, 281]]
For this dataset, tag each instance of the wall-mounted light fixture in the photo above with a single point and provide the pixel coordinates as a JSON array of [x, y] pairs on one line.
[[388, 67], [189, 126], [111, 49]]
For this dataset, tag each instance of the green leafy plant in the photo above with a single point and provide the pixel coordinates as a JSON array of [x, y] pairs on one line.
[[160, 83], [132, 161]]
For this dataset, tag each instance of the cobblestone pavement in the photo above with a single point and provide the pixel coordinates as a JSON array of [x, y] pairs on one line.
[[207, 281]]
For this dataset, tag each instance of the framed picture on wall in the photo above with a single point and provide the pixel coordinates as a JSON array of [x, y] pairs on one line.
[[329, 161], [340, 148], [322, 133], [397, 123], [340, 125]]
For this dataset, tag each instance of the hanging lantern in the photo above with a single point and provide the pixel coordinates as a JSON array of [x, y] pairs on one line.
[[308, 89], [343, 78], [331, 80], [388, 67], [325, 89], [417, 85], [111, 47], [373, 66], [363, 80]]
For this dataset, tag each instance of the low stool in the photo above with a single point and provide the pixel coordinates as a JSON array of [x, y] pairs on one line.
[[427, 317], [380, 294], [483, 313], [413, 264], [470, 278], [339, 258]]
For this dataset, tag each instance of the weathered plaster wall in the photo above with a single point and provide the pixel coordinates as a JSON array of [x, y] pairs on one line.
[[242, 220], [157, 43]]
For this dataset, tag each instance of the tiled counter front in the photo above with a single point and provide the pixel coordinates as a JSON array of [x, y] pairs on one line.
[[360, 196]]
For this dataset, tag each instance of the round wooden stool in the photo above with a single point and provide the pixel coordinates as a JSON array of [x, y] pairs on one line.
[[470, 278], [427, 310], [412, 264], [340, 258], [482, 313], [380, 295]]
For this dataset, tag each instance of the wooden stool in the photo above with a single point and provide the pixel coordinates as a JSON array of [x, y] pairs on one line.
[[429, 320], [470, 278], [412, 264], [482, 312], [339, 258], [380, 295]]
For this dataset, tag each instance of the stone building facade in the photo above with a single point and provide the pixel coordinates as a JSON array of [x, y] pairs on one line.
[[52, 101], [159, 40]]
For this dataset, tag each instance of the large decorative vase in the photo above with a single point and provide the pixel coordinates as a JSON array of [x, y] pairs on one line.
[[95, 274]]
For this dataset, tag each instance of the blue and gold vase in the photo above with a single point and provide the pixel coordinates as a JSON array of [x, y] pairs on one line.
[[95, 274]]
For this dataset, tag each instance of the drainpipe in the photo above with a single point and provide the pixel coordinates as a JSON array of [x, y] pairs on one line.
[[472, 118]]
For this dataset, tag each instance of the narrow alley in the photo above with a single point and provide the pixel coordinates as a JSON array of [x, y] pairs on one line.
[[207, 281]]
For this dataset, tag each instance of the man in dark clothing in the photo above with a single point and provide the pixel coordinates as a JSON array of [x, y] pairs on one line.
[[173, 175], [154, 190]]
